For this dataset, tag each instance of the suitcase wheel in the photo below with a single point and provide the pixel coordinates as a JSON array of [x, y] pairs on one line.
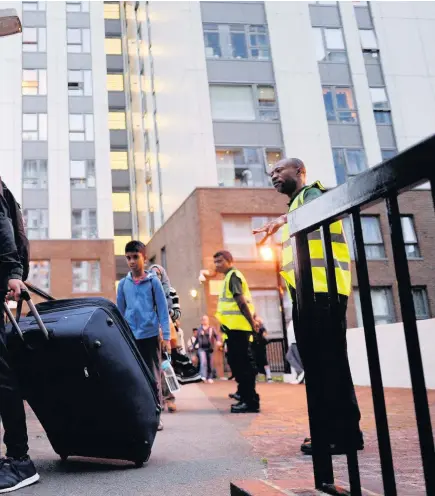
[[64, 458], [138, 463]]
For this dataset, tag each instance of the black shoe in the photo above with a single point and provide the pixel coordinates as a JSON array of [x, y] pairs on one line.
[[16, 474], [245, 408], [235, 396], [334, 449]]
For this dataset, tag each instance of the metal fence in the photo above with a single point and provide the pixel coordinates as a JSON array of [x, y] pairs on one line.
[[383, 183]]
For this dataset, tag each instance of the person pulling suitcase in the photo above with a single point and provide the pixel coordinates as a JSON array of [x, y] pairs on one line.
[[16, 469]]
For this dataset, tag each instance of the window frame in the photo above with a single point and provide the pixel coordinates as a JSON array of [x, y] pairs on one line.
[[113, 159], [425, 297], [86, 229], [108, 10], [384, 111], [367, 49], [87, 133], [40, 44], [83, 6], [40, 133], [89, 276], [90, 173], [35, 266], [41, 82], [111, 85], [85, 40], [415, 243], [40, 6], [327, 51], [390, 317], [106, 45], [42, 230], [116, 122], [334, 90], [41, 177], [84, 87], [348, 227], [387, 150], [344, 153]]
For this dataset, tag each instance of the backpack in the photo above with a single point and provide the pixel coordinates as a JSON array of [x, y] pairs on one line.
[[21, 241]]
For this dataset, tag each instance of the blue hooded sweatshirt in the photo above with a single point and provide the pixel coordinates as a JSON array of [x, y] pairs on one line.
[[144, 306]]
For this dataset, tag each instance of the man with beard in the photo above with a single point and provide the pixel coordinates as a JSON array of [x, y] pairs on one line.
[[325, 343]]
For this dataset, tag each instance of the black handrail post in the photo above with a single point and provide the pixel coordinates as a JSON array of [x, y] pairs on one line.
[[379, 407], [421, 404], [322, 460]]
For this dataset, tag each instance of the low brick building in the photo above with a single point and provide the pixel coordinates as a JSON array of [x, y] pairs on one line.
[[214, 218]]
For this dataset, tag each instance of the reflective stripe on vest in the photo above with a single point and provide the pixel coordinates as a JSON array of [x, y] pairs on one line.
[[228, 312], [340, 251]]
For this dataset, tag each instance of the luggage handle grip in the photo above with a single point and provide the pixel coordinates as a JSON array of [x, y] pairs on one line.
[[25, 295]]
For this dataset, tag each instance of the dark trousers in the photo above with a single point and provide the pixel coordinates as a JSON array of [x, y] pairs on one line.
[[323, 349], [242, 362], [12, 411], [150, 349]]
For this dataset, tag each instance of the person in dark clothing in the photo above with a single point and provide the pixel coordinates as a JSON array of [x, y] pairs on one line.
[[16, 470], [259, 347]]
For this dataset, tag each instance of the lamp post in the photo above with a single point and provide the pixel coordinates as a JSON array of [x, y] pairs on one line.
[[9, 22], [270, 253]]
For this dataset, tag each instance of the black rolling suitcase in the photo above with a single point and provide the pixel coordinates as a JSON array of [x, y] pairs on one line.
[[81, 373]]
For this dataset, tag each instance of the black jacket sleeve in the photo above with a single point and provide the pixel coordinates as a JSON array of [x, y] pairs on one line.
[[10, 264]]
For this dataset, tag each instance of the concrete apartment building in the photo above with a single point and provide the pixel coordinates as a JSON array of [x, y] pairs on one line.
[[159, 121]]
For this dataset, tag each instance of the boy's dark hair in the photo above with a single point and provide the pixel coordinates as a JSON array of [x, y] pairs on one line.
[[136, 247], [226, 255], [194, 329]]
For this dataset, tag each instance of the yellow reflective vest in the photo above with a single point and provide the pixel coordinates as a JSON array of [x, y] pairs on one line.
[[340, 251], [228, 312]]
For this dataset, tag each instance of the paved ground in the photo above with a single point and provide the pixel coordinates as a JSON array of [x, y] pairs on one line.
[[199, 452], [277, 432]]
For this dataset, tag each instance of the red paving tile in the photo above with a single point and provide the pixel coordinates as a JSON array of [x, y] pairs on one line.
[[276, 434]]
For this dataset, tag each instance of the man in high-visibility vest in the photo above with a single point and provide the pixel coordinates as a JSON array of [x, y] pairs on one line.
[[235, 313], [325, 344]]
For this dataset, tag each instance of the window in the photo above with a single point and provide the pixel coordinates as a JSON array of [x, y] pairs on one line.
[[113, 46], [111, 10], [232, 103], [119, 160], [33, 5], [421, 303], [410, 236], [273, 157], [34, 39], [383, 307], [79, 83], [387, 154], [117, 120], [372, 236], [243, 167], [329, 45], [34, 82], [120, 242], [339, 104], [236, 41], [86, 277], [163, 260], [381, 105], [368, 40], [81, 127], [259, 43], [266, 304], [39, 274], [78, 40], [77, 6], [238, 238], [267, 108], [84, 224], [82, 174], [348, 162], [121, 202], [36, 223], [35, 174], [115, 82], [34, 127]]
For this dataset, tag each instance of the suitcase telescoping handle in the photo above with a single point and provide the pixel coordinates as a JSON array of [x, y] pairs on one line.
[[26, 297]]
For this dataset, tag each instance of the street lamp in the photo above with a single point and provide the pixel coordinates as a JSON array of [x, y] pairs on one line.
[[271, 253], [9, 22]]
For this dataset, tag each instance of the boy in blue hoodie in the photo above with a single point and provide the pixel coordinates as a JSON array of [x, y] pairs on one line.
[[142, 301]]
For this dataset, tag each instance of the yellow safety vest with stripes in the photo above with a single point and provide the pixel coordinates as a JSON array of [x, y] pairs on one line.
[[228, 312], [340, 251]]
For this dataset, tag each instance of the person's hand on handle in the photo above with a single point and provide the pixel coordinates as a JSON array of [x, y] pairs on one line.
[[271, 227], [15, 287], [166, 346]]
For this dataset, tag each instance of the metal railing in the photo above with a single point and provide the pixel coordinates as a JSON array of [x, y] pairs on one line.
[[382, 183], [276, 355]]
